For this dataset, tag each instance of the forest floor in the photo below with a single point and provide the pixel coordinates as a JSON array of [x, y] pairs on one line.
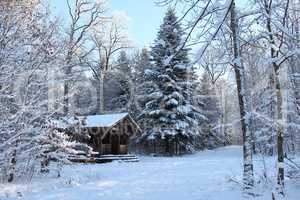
[[208, 175]]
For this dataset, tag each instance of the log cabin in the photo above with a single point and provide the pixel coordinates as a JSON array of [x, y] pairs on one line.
[[109, 134]]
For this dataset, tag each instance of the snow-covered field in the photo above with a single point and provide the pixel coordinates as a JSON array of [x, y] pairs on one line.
[[209, 175]]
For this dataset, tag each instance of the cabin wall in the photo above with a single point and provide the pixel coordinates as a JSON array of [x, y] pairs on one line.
[[106, 149], [123, 149]]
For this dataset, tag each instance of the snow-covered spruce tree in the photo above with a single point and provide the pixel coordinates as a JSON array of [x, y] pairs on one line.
[[207, 100], [141, 62], [169, 119], [123, 75]]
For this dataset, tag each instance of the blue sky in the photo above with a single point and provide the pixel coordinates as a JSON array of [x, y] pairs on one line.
[[144, 17]]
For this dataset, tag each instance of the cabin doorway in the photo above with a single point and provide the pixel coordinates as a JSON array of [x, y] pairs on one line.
[[115, 144]]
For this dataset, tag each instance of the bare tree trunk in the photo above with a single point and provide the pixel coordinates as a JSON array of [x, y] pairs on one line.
[[248, 180], [78, 10], [67, 82], [280, 132], [66, 98], [101, 93], [12, 166], [279, 102], [44, 165]]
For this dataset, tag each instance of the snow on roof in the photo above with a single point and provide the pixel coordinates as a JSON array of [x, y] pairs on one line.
[[104, 120], [91, 121]]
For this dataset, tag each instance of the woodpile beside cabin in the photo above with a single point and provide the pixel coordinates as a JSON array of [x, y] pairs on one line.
[[109, 134]]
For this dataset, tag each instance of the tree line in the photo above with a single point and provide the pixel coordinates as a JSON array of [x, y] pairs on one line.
[[241, 87]]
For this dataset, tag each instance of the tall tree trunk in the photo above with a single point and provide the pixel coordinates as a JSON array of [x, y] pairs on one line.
[[12, 165], [67, 85], [66, 98], [279, 102], [248, 180], [101, 93], [280, 130]]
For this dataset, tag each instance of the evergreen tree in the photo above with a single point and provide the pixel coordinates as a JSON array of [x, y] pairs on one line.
[[123, 75], [211, 136], [141, 61], [170, 120]]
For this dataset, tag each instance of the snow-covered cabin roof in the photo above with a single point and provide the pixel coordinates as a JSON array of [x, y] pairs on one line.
[[107, 120], [93, 121]]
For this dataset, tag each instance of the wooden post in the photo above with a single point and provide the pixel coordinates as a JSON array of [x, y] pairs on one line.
[[119, 141], [100, 143], [110, 142]]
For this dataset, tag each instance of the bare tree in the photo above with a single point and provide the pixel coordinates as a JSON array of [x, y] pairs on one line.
[[83, 16], [214, 63], [109, 38], [248, 179], [276, 25]]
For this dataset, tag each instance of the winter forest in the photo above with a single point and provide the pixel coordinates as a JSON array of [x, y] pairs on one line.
[[209, 110]]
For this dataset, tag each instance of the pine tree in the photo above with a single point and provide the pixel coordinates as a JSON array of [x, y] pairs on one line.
[[211, 136], [170, 120], [141, 61], [123, 75]]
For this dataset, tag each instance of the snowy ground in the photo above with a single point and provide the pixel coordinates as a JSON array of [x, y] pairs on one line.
[[203, 176]]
